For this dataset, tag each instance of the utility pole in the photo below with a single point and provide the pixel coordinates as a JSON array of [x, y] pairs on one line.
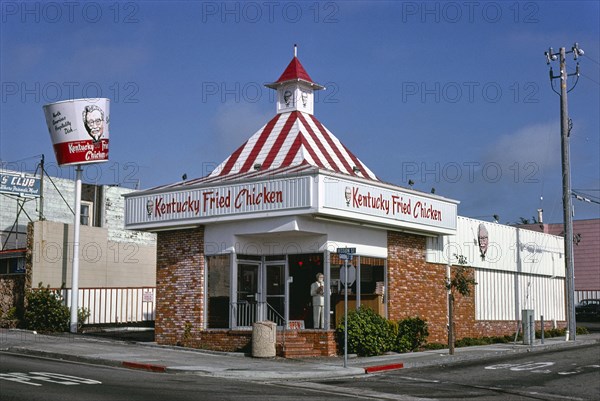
[[41, 210], [565, 130]]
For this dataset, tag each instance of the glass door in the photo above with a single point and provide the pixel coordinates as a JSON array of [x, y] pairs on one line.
[[275, 293], [247, 305]]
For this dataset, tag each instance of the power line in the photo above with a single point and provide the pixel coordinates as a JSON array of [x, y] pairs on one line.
[[20, 160], [591, 59], [585, 76], [585, 197]]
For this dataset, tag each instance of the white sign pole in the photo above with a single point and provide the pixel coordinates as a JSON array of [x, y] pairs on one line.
[[346, 313], [75, 272]]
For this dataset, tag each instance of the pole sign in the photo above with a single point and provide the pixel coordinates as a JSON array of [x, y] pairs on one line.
[[79, 130], [19, 184], [346, 253], [347, 276]]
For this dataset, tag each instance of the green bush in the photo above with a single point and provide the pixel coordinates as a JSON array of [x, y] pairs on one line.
[[368, 333], [411, 334], [82, 315], [45, 311], [371, 334], [434, 346]]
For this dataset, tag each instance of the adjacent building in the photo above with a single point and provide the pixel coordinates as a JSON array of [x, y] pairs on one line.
[[586, 254], [117, 273]]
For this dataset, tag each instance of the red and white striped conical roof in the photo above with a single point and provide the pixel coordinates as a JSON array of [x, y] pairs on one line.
[[292, 139], [295, 72]]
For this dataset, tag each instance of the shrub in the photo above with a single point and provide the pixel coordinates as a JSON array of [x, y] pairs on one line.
[[45, 311], [434, 346], [82, 315], [411, 334], [368, 333], [11, 314]]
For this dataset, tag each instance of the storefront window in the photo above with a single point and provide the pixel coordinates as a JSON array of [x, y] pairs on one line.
[[218, 286], [366, 289], [303, 270]]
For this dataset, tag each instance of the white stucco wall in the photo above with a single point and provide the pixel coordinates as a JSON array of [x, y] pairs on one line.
[[102, 262], [293, 235]]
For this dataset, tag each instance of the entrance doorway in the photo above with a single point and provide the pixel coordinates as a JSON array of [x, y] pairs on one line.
[[275, 288], [261, 291], [247, 306], [275, 293]]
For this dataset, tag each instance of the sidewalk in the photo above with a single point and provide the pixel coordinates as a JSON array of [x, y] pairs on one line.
[[152, 357]]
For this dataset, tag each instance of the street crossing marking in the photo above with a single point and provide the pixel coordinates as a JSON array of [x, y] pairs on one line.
[[537, 367], [31, 377]]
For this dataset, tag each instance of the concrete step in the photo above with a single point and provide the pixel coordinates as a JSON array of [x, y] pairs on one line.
[[301, 354]]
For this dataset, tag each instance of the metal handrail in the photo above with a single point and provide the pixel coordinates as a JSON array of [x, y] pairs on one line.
[[280, 319], [245, 313]]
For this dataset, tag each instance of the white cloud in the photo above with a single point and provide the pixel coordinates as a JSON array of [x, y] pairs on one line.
[[539, 144], [236, 122]]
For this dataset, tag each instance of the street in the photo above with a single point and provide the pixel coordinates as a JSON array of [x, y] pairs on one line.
[[567, 374], [26, 378]]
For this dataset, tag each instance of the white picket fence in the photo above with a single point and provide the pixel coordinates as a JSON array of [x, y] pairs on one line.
[[116, 305]]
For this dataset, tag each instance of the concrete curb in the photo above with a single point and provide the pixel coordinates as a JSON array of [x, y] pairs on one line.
[[64, 357], [448, 360]]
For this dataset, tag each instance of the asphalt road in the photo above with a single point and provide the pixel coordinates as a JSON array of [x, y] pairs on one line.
[[568, 374], [28, 379]]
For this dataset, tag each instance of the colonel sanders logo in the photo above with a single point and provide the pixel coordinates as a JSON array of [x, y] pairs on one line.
[[482, 237]]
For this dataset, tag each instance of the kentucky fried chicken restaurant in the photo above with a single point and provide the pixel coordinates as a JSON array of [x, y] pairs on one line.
[[245, 243]]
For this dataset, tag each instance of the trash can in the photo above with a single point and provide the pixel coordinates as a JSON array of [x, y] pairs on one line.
[[264, 336], [528, 322]]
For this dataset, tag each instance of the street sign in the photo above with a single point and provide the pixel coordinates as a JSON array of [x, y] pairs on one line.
[[348, 280], [347, 276]]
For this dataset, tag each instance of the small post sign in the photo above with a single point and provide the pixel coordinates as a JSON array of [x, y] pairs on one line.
[[345, 254]]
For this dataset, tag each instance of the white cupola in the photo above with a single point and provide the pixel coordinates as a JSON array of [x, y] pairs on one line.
[[295, 89]]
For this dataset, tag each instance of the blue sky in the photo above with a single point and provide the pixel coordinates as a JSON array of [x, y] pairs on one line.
[[452, 95]]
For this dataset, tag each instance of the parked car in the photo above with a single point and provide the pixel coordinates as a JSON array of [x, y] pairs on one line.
[[588, 308]]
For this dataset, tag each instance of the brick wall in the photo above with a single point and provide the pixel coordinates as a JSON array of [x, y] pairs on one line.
[[303, 343], [416, 288], [179, 285]]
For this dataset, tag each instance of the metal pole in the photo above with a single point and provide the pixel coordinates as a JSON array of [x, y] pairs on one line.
[[542, 322], [75, 272], [531, 333], [567, 206], [346, 312], [41, 211]]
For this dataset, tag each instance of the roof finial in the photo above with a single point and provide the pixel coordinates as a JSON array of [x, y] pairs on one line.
[[295, 50]]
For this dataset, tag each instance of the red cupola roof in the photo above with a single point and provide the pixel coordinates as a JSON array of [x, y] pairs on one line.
[[295, 72]]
